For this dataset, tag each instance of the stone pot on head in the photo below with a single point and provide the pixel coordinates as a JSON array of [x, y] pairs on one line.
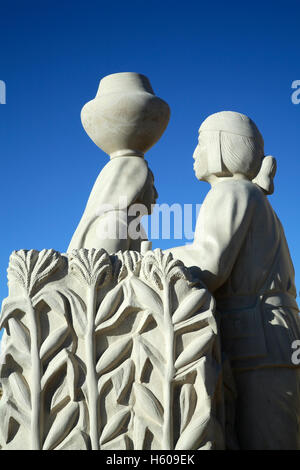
[[125, 118]]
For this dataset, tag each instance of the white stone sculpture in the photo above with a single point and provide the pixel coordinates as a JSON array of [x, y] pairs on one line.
[[241, 254], [112, 347], [124, 120], [108, 352]]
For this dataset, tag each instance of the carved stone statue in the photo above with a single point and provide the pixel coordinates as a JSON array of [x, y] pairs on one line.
[[241, 254], [111, 352], [125, 120], [111, 346]]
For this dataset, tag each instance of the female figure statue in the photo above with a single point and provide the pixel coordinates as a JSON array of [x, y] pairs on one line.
[[123, 188], [125, 120], [241, 254]]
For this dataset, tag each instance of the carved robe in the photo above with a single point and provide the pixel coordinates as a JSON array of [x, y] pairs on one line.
[[117, 187], [240, 252]]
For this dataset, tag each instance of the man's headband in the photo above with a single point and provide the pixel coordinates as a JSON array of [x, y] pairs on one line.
[[234, 123]]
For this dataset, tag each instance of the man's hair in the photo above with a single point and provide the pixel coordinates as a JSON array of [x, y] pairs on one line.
[[241, 154]]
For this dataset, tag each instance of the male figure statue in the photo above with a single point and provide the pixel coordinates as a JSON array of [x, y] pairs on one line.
[[241, 254]]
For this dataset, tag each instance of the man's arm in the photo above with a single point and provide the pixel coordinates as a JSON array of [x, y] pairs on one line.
[[222, 225]]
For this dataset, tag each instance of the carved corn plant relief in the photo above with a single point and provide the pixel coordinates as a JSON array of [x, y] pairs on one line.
[[93, 267], [162, 375], [108, 352], [189, 339], [38, 408]]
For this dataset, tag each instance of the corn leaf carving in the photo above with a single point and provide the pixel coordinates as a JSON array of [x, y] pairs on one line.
[[43, 350]]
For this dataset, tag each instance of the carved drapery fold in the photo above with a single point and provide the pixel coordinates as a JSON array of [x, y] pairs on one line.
[[108, 352]]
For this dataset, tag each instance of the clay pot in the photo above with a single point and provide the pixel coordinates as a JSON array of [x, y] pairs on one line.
[[125, 117]]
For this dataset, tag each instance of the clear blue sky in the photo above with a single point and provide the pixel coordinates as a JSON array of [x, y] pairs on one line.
[[201, 57]]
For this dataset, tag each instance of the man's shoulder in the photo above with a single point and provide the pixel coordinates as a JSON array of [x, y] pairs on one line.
[[237, 189]]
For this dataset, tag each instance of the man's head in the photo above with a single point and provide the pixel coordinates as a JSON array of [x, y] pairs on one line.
[[229, 143]]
